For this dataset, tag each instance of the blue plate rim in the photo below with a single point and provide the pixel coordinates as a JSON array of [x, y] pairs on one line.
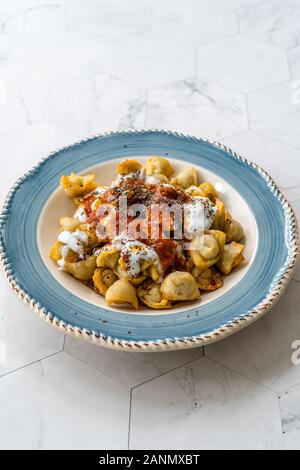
[[227, 329]]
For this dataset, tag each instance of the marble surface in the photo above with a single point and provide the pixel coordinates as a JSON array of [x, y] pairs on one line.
[[290, 410], [274, 112], [189, 409], [223, 69], [217, 60], [192, 105], [271, 21], [60, 403], [294, 61]]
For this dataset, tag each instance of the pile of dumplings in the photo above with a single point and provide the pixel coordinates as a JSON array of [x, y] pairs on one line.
[[101, 264]]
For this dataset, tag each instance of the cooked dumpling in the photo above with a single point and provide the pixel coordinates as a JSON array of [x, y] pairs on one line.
[[68, 223], [209, 191], [76, 185], [195, 191], [231, 257], [136, 281], [122, 273], [57, 252], [76, 241], [208, 280], [122, 292], [156, 179], [124, 267], [108, 257], [128, 166], [103, 278], [220, 217], [186, 178], [180, 285], [98, 191], [158, 166], [82, 270], [190, 265], [136, 257], [234, 231], [96, 203], [90, 231], [150, 294], [154, 273], [207, 249]]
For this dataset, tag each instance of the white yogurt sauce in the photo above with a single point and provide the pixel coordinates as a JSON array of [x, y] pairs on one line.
[[130, 176], [64, 253], [199, 214], [75, 241], [152, 179], [135, 252], [80, 214], [100, 190]]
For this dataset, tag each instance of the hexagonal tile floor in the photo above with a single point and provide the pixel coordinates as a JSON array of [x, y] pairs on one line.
[[227, 70]]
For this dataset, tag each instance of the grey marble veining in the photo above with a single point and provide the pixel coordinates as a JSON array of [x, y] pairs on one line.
[[271, 21], [191, 105], [291, 431]]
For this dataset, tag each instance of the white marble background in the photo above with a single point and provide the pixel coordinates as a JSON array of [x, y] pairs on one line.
[[224, 69]]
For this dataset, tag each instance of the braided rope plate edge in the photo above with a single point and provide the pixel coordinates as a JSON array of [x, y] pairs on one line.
[[166, 344]]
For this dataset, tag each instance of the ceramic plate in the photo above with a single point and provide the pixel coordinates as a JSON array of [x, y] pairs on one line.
[[29, 228]]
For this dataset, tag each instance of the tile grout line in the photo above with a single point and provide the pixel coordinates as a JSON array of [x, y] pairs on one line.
[[272, 138], [259, 134], [281, 421], [289, 389], [30, 364], [287, 411], [285, 188], [264, 387], [137, 385], [147, 109], [219, 84], [268, 389], [168, 371], [96, 370], [288, 64], [196, 62], [238, 26], [81, 76], [127, 82], [266, 42], [223, 139], [174, 82], [129, 420], [247, 112], [259, 90], [219, 39]]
